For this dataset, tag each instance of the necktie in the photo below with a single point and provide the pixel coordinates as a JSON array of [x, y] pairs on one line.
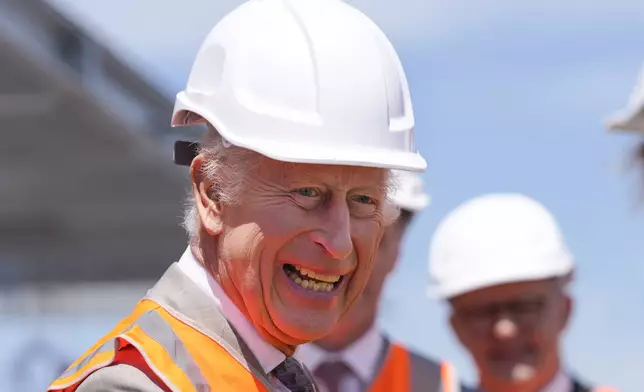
[[292, 375], [330, 375]]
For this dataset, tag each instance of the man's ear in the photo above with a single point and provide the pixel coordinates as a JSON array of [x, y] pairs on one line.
[[457, 328], [567, 312], [567, 301], [206, 200]]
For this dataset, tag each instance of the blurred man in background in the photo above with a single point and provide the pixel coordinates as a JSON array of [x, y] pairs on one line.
[[501, 263], [357, 356], [288, 206]]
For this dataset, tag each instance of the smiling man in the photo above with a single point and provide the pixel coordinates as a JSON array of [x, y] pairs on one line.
[[288, 206], [501, 263]]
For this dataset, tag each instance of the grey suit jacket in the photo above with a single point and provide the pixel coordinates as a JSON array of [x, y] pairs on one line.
[[178, 294]]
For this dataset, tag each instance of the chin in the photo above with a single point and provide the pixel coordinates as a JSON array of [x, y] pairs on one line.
[[304, 331], [517, 375]]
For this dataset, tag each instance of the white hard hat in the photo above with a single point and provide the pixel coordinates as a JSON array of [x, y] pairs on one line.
[[409, 193], [309, 81], [631, 118], [496, 239]]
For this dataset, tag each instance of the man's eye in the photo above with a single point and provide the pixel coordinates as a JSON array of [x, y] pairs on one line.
[[307, 192], [364, 199], [475, 313], [526, 306]]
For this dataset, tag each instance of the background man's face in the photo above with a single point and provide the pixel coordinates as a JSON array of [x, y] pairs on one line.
[[512, 330]]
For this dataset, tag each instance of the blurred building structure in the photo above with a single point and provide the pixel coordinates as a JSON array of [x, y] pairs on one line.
[[90, 202], [85, 194]]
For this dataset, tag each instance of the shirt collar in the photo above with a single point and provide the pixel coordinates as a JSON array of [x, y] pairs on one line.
[[268, 356], [362, 356], [561, 382]]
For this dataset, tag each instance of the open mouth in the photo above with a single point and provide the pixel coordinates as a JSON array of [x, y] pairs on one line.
[[311, 280]]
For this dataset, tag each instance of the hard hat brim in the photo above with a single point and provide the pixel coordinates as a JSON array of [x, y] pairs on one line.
[[629, 122], [631, 117], [295, 152], [446, 293]]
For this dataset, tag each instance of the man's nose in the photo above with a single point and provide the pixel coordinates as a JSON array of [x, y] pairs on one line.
[[335, 234], [505, 328]]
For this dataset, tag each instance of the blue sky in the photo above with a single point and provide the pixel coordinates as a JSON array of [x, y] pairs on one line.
[[509, 96]]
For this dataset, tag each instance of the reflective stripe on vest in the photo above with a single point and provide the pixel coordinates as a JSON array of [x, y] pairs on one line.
[[102, 353], [404, 371], [165, 353], [449, 379], [165, 349]]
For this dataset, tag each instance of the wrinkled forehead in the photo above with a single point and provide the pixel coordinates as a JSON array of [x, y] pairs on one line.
[[335, 176]]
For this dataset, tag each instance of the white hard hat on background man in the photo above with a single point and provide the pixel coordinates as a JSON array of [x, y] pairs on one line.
[[631, 118], [308, 81], [409, 193], [496, 239]]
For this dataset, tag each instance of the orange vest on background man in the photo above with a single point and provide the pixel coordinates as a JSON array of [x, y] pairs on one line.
[[404, 371], [578, 387]]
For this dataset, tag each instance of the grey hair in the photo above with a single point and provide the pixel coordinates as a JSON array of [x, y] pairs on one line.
[[225, 165], [228, 166]]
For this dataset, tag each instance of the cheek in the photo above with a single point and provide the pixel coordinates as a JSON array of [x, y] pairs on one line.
[[382, 265], [547, 334], [366, 238], [238, 243], [266, 227], [367, 235], [388, 251], [476, 347], [378, 268], [475, 344], [239, 250], [281, 222]]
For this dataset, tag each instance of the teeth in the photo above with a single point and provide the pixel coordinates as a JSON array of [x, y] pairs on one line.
[[315, 275], [310, 284]]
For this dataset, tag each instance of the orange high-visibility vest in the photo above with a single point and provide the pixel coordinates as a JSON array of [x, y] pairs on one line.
[[170, 352], [401, 371], [578, 387]]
